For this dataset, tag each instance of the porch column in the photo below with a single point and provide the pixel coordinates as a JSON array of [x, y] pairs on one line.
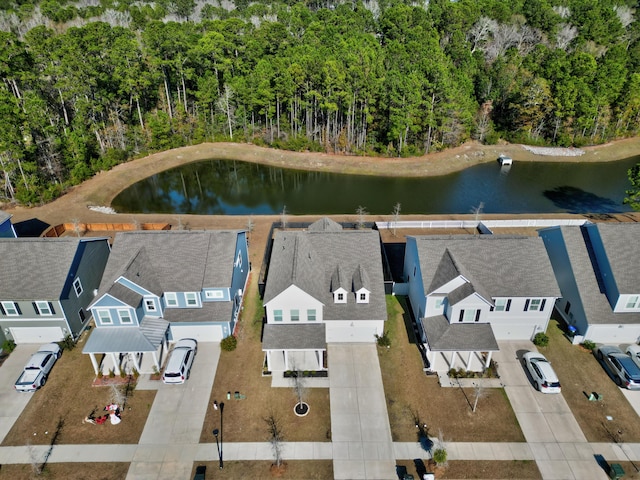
[[319, 359], [452, 361], [136, 365], [268, 352], [286, 360], [469, 360], [155, 360], [94, 362], [488, 360], [116, 362]]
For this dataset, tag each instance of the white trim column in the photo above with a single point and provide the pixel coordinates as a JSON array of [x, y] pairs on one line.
[[94, 362], [488, 360], [155, 360], [452, 362], [116, 363], [469, 360], [134, 358]]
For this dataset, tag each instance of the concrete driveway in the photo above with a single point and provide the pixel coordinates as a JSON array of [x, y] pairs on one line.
[[559, 447], [13, 402]]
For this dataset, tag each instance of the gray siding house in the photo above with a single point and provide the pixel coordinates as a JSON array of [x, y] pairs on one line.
[[467, 292], [161, 286], [46, 285], [323, 285], [598, 269]]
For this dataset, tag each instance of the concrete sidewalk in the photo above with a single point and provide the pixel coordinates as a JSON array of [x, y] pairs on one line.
[[360, 431]]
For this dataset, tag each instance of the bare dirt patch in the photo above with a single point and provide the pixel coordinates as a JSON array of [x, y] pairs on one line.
[[294, 470], [58, 409], [413, 397], [67, 471]]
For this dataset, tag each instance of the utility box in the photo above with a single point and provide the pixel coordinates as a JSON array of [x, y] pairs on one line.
[[616, 471]]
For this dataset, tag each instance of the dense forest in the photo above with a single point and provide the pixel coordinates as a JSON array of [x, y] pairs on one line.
[[86, 85]]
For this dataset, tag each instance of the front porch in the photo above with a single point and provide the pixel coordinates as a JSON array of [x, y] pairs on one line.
[[472, 361]]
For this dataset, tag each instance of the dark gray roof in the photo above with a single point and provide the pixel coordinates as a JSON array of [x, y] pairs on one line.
[[325, 224], [210, 312], [172, 261], [36, 268], [460, 293], [147, 338], [496, 265], [463, 337], [310, 259], [360, 279], [125, 295], [622, 245], [595, 303], [294, 337]]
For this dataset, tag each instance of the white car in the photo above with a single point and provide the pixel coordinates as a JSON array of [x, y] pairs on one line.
[[180, 360], [37, 369], [634, 352], [544, 378]]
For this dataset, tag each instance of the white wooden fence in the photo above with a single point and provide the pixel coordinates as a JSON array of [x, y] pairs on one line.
[[487, 224]]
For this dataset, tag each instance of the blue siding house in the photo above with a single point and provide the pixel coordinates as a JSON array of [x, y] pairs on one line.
[[46, 285], [161, 286]]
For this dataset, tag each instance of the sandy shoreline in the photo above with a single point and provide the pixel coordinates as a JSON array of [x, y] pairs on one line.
[[103, 187]]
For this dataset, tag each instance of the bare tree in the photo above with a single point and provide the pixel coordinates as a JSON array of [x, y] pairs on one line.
[[362, 213], [275, 437], [225, 104], [299, 385], [625, 14], [477, 211], [566, 34], [479, 392], [480, 32], [396, 216]]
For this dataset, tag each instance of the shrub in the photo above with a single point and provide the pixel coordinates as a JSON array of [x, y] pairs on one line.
[[135, 373], [589, 345], [112, 373], [383, 340], [229, 344], [541, 339], [68, 343], [8, 346], [440, 456]]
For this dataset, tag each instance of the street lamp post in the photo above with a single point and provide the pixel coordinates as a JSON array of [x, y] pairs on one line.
[[217, 432]]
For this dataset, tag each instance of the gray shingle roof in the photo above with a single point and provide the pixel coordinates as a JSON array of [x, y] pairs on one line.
[[496, 265], [309, 260], [125, 295], [4, 216], [172, 261], [622, 245], [298, 337], [325, 224], [595, 303], [210, 312], [36, 268], [464, 337], [460, 293]]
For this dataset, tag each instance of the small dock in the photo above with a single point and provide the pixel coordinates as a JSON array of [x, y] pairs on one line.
[[505, 160]]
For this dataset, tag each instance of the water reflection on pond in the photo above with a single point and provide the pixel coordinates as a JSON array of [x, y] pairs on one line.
[[242, 188]]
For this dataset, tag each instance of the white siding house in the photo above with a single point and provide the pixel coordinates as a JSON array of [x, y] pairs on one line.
[[597, 267], [324, 284], [468, 292]]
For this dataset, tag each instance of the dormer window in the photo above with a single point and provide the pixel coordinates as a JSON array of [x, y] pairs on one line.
[[362, 296], [340, 296], [633, 303]]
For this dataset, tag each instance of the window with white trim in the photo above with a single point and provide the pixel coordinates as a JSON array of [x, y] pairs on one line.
[[191, 298], [295, 315], [277, 315], [77, 287], [43, 308], [214, 294], [105, 317], [150, 305], [311, 315], [170, 299], [469, 315], [125, 316], [439, 302], [363, 297], [10, 309], [341, 297], [534, 305]]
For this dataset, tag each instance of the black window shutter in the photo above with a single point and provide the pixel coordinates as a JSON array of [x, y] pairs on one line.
[[526, 305], [461, 315], [18, 308], [35, 308], [2, 310], [492, 308], [53, 312], [544, 300], [508, 305], [477, 315]]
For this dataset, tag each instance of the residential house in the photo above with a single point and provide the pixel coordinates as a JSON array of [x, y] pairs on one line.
[[161, 286], [597, 267], [46, 285], [6, 227], [468, 292], [323, 285]]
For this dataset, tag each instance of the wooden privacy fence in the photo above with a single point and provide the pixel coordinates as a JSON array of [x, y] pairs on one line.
[[81, 228]]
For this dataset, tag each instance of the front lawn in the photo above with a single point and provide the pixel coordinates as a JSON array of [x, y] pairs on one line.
[[56, 411], [414, 397], [580, 373]]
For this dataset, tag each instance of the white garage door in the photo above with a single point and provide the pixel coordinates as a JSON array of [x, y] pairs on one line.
[[36, 334], [347, 334], [201, 333]]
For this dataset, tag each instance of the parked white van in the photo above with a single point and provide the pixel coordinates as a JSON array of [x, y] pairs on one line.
[[180, 360]]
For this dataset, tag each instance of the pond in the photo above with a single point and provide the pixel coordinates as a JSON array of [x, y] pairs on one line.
[[226, 187]]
